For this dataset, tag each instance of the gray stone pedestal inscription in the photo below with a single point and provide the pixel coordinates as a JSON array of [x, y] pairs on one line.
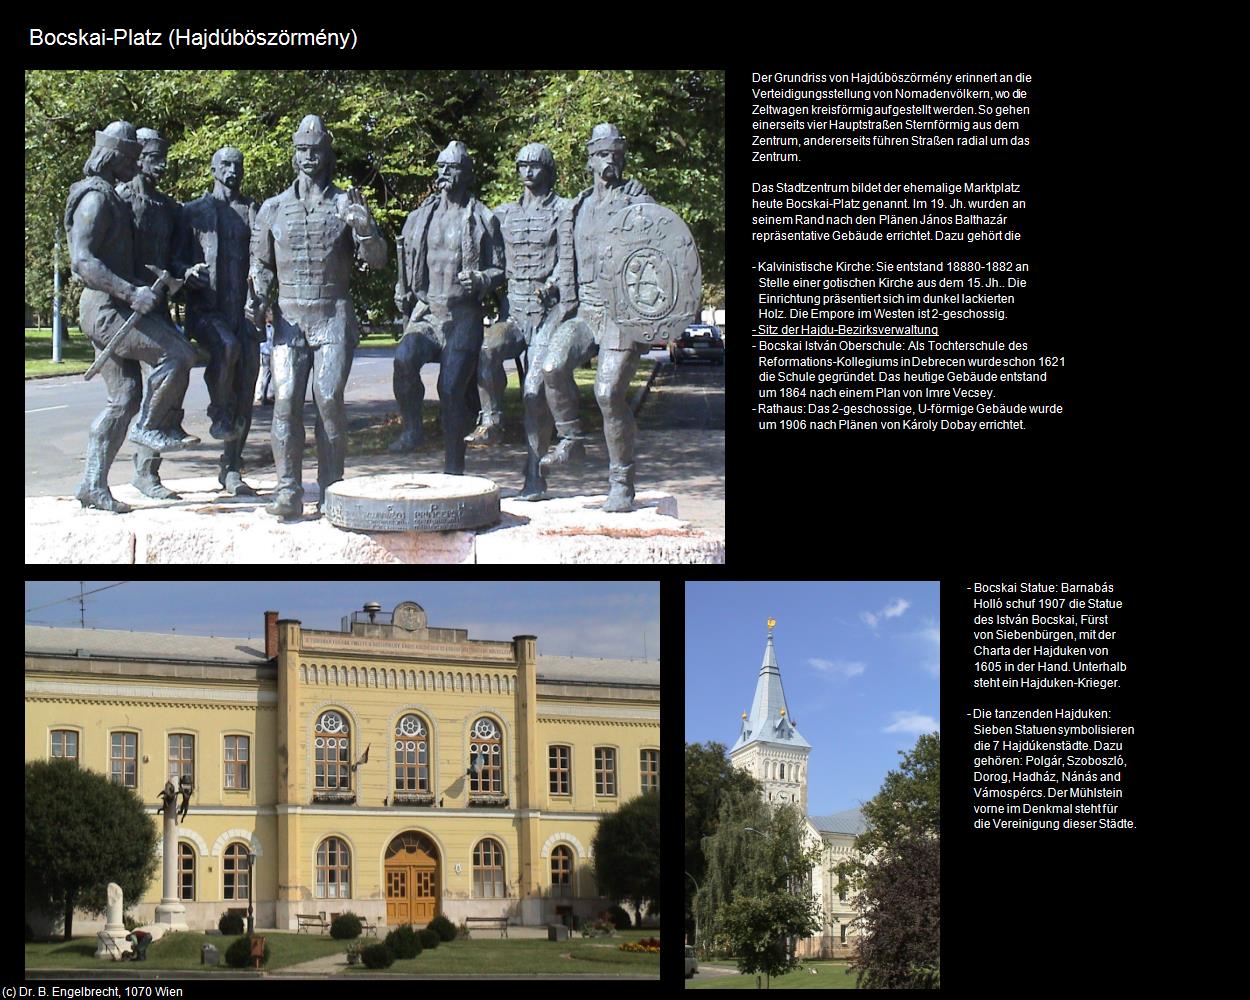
[[429, 502]]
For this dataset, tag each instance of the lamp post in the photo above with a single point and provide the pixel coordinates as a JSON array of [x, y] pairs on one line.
[[694, 909], [251, 863]]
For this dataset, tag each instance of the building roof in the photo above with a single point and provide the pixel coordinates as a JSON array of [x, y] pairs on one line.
[[590, 669], [113, 643], [848, 821], [769, 720]]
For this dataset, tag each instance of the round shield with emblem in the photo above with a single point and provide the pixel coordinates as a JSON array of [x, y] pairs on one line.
[[654, 281]]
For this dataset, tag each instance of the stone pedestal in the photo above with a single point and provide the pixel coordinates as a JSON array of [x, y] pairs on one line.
[[170, 913], [206, 527], [114, 930]]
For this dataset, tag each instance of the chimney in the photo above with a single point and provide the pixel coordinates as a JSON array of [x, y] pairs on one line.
[[271, 634]]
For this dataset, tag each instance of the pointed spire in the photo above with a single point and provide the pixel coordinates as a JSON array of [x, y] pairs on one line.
[[769, 719]]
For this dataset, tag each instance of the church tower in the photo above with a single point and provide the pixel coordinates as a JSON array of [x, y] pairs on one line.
[[769, 746]]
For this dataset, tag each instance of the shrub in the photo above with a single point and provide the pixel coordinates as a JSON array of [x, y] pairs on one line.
[[377, 956], [230, 923], [619, 918], [344, 926], [428, 939], [443, 927], [403, 942], [239, 954], [129, 922]]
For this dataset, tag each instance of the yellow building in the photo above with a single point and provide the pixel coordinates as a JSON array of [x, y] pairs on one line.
[[389, 768]]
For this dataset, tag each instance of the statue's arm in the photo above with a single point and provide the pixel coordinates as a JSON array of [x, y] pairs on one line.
[[370, 246], [85, 242], [492, 255], [263, 268]]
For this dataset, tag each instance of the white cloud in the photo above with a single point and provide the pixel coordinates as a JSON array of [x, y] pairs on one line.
[[911, 722], [892, 610], [841, 668]]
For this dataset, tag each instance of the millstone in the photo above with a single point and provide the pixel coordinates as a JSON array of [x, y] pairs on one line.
[[425, 502]]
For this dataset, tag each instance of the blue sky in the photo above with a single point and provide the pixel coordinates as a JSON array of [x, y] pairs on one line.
[[612, 620], [859, 664]]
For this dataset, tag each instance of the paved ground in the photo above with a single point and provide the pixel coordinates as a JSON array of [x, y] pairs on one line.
[[681, 438]]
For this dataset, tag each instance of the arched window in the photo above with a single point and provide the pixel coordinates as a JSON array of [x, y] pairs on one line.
[[234, 868], [561, 871], [333, 752], [781, 772], [412, 755], [486, 758], [186, 871], [124, 759], [488, 880], [649, 770], [334, 869], [65, 744]]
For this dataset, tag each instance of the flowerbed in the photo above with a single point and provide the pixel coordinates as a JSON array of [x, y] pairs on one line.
[[651, 945]]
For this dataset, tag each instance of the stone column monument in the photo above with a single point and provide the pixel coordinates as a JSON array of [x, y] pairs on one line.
[[113, 927], [170, 913]]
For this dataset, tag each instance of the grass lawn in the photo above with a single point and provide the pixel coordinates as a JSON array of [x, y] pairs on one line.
[[179, 951], [76, 353], [829, 976], [482, 954], [376, 437]]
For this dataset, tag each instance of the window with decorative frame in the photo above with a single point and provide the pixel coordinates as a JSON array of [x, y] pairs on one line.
[[486, 758], [605, 770], [181, 757], [558, 768], [412, 756], [124, 759], [332, 753], [561, 871], [488, 873], [186, 871], [238, 762], [649, 769], [334, 869], [234, 871], [65, 745]]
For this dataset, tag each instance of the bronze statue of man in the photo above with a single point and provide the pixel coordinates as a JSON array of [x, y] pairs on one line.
[[307, 238], [156, 222], [530, 228], [217, 232], [451, 263], [584, 298], [101, 234]]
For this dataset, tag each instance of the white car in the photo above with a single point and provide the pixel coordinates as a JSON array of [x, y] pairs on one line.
[[692, 966]]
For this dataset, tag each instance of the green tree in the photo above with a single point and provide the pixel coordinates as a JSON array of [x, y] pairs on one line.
[[894, 874], [710, 778], [83, 832], [758, 850], [761, 926], [627, 853]]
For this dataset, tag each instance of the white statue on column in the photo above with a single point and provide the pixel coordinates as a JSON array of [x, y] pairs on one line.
[[170, 913], [114, 929]]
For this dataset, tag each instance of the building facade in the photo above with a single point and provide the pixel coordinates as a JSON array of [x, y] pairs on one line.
[[390, 768], [771, 749]]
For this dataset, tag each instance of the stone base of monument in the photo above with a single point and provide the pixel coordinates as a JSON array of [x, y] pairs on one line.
[[119, 945], [207, 526]]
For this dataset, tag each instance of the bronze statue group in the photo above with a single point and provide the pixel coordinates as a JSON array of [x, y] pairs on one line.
[[607, 271]]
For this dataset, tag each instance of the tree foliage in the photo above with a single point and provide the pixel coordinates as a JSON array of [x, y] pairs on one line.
[[895, 875], [83, 832], [759, 849], [389, 126], [627, 852], [760, 928], [710, 778]]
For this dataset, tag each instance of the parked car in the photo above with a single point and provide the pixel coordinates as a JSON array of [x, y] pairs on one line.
[[698, 342], [692, 966]]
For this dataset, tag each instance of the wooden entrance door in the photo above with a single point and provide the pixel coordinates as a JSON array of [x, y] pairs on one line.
[[411, 880]]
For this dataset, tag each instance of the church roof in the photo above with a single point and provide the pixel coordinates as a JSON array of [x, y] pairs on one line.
[[769, 720], [848, 821]]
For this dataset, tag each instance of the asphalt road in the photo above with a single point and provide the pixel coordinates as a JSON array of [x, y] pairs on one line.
[[680, 449]]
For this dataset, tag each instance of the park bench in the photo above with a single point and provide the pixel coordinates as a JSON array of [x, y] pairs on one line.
[[303, 921], [368, 929], [490, 923]]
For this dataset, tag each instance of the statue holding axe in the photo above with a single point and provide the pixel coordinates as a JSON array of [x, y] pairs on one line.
[[119, 312]]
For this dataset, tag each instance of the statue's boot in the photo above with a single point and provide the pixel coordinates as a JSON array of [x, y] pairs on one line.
[[233, 484], [147, 477], [157, 440], [535, 487], [488, 431], [99, 497], [287, 506], [409, 440], [621, 489], [570, 449], [174, 425]]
